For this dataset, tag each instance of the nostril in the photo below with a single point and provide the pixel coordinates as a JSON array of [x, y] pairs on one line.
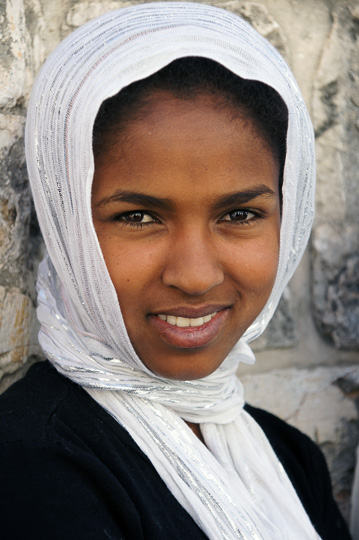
[[191, 273]]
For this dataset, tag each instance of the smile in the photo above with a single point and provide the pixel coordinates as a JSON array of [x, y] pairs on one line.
[[189, 332], [184, 322]]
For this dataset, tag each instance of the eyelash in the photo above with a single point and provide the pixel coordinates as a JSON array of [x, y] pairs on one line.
[[122, 218], [255, 217]]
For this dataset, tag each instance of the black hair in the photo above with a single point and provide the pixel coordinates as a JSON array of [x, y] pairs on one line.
[[187, 78]]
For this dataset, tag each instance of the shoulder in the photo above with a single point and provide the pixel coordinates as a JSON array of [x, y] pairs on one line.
[[69, 470], [306, 467], [25, 408], [50, 416], [49, 480], [300, 456]]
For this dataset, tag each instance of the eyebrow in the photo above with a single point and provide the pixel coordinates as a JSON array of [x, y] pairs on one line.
[[242, 197], [133, 197]]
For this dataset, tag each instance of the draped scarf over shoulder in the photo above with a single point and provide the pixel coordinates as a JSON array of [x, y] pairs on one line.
[[234, 486]]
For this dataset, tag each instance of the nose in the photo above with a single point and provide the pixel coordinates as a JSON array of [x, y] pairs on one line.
[[192, 264]]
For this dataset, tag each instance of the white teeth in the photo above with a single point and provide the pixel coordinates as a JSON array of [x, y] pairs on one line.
[[197, 322], [184, 322], [172, 320]]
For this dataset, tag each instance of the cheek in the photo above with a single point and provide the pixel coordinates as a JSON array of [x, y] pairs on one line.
[[266, 262], [133, 270], [256, 266]]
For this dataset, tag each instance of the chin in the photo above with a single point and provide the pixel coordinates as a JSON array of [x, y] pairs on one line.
[[187, 369]]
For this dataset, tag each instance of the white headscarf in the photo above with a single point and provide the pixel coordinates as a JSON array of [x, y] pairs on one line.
[[234, 487]]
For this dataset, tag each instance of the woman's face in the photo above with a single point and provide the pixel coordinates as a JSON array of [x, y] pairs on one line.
[[186, 208]]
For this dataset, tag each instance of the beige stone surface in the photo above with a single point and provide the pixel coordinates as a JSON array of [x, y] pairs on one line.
[[18, 333], [262, 20], [81, 12], [308, 399], [13, 53], [15, 315]]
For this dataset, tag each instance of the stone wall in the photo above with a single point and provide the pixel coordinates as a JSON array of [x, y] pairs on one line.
[[307, 368]]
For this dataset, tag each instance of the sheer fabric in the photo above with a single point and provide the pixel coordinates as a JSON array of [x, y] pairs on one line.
[[234, 487]]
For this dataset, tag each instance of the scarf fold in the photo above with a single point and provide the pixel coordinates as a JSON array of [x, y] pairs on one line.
[[234, 487]]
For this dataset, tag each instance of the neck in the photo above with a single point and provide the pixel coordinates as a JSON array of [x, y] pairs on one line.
[[196, 430]]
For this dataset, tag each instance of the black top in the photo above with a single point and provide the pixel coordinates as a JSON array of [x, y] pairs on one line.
[[68, 470]]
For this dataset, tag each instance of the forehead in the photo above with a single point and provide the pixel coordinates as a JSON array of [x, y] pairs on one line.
[[190, 79], [199, 145]]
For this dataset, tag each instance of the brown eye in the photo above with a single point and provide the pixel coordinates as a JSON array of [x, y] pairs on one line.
[[137, 217], [238, 216]]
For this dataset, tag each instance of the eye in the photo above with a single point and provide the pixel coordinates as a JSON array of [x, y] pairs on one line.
[[239, 216], [137, 219]]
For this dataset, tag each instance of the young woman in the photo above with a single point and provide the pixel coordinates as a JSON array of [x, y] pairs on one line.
[[171, 160]]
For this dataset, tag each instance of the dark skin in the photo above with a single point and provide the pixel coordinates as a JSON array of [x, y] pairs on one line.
[[186, 208]]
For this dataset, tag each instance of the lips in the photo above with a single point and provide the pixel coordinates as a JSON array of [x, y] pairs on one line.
[[189, 331]]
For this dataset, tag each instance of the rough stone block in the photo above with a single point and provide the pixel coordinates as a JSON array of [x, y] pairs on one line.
[[81, 12], [18, 331], [282, 330], [15, 203], [12, 53], [18, 254], [260, 18], [336, 231]]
